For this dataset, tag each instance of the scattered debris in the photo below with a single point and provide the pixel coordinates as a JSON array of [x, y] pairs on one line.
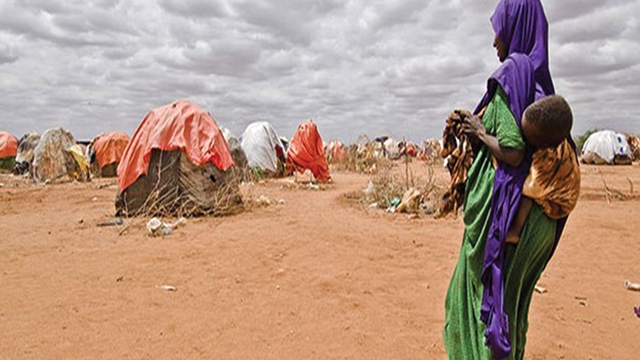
[[637, 311], [281, 202], [540, 289], [167, 287], [370, 189], [410, 202], [120, 279], [263, 200], [94, 199], [582, 300], [631, 285], [393, 205], [116, 222], [156, 227], [102, 186]]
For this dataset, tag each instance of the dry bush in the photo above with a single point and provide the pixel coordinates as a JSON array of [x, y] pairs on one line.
[[226, 201], [392, 180], [364, 163], [615, 194]]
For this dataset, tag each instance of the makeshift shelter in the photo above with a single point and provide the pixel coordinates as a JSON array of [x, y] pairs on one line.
[[606, 147], [105, 151], [392, 148], [57, 155], [24, 158], [8, 150], [238, 155], [407, 148], [177, 163], [335, 151], [634, 146], [263, 148], [430, 149], [307, 153]]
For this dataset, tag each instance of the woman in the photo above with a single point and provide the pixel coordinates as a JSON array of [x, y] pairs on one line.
[[490, 292]]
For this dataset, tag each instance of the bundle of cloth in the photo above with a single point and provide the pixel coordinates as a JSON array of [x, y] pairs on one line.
[[458, 152]]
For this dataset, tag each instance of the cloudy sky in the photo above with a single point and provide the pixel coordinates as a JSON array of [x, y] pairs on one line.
[[356, 67]]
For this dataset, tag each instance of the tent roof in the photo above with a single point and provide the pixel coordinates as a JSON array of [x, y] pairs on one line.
[[180, 125], [8, 145]]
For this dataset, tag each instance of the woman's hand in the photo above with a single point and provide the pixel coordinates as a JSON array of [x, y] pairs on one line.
[[473, 127], [475, 130]]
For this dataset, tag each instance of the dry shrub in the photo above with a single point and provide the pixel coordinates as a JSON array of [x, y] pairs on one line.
[[392, 180], [226, 201], [615, 194], [361, 162]]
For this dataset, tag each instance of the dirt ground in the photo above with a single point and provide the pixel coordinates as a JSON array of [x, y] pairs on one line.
[[310, 277]]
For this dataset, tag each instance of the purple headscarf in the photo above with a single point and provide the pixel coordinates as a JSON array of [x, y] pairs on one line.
[[524, 77]]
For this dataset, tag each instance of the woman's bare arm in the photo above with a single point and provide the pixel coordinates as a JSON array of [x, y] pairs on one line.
[[474, 128]]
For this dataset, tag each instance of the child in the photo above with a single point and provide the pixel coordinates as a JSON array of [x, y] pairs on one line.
[[554, 178]]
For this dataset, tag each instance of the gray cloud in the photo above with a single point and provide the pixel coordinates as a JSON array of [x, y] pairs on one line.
[[373, 67]]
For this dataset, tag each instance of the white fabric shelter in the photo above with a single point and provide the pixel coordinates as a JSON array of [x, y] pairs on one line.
[[603, 147], [259, 142]]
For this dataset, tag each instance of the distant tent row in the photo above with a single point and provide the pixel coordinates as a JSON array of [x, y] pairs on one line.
[[177, 162], [51, 157]]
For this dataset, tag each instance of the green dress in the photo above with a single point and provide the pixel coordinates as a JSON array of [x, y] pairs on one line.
[[463, 330]]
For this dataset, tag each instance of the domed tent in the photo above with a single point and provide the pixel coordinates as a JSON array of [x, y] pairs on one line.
[[177, 163], [57, 155], [263, 148], [307, 152], [392, 148], [105, 152], [8, 150], [606, 147], [24, 158], [238, 155]]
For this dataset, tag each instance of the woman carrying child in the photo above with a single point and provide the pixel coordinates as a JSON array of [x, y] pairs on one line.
[[488, 299]]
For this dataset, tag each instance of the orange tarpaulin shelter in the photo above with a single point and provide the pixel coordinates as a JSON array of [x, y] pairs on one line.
[[109, 147], [8, 145], [306, 152], [181, 125], [411, 149], [335, 151]]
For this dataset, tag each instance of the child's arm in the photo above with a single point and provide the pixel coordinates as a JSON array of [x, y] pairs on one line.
[[513, 235]]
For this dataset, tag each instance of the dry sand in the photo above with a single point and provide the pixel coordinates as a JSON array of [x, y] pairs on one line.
[[314, 278]]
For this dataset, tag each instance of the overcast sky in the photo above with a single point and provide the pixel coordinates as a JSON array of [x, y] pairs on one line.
[[356, 67]]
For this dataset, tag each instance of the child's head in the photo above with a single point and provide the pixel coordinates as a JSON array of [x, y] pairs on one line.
[[547, 122]]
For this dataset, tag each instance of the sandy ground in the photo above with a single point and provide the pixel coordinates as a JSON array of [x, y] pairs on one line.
[[316, 277]]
